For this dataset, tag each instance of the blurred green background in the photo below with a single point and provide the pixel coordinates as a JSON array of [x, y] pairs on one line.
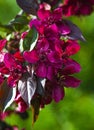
[[76, 111]]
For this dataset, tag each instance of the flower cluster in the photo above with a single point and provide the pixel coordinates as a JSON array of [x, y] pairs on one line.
[[36, 65], [51, 55], [78, 7], [10, 66]]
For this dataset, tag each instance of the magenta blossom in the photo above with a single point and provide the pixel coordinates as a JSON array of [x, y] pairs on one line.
[[50, 57], [22, 106], [38, 63], [12, 68], [71, 47], [70, 67], [50, 21], [77, 7]]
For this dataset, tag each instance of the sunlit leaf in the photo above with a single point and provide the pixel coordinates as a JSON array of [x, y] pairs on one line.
[[28, 6], [19, 22], [6, 28], [30, 40], [7, 96], [27, 87]]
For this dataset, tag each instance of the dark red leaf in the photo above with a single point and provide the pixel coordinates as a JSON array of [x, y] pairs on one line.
[[28, 6], [75, 33], [35, 108], [7, 96], [27, 87]]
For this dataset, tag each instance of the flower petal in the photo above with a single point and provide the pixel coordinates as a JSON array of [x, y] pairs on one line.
[[31, 56], [35, 22], [53, 57], [9, 61], [70, 81], [72, 47], [63, 28], [18, 56], [42, 45], [41, 70], [70, 67], [44, 11], [22, 106], [57, 14], [58, 93], [50, 72]]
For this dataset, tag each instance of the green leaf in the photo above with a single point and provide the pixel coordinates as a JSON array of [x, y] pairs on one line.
[[20, 19], [7, 96], [31, 39], [6, 28], [19, 22]]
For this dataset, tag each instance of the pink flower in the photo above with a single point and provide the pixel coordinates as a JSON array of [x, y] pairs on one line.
[[22, 106], [41, 70], [44, 9], [18, 56], [71, 47], [58, 93], [46, 61], [51, 55], [49, 60], [70, 81], [77, 7], [13, 68], [70, 67], [46, 18], [31, 56], [9, 61]]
